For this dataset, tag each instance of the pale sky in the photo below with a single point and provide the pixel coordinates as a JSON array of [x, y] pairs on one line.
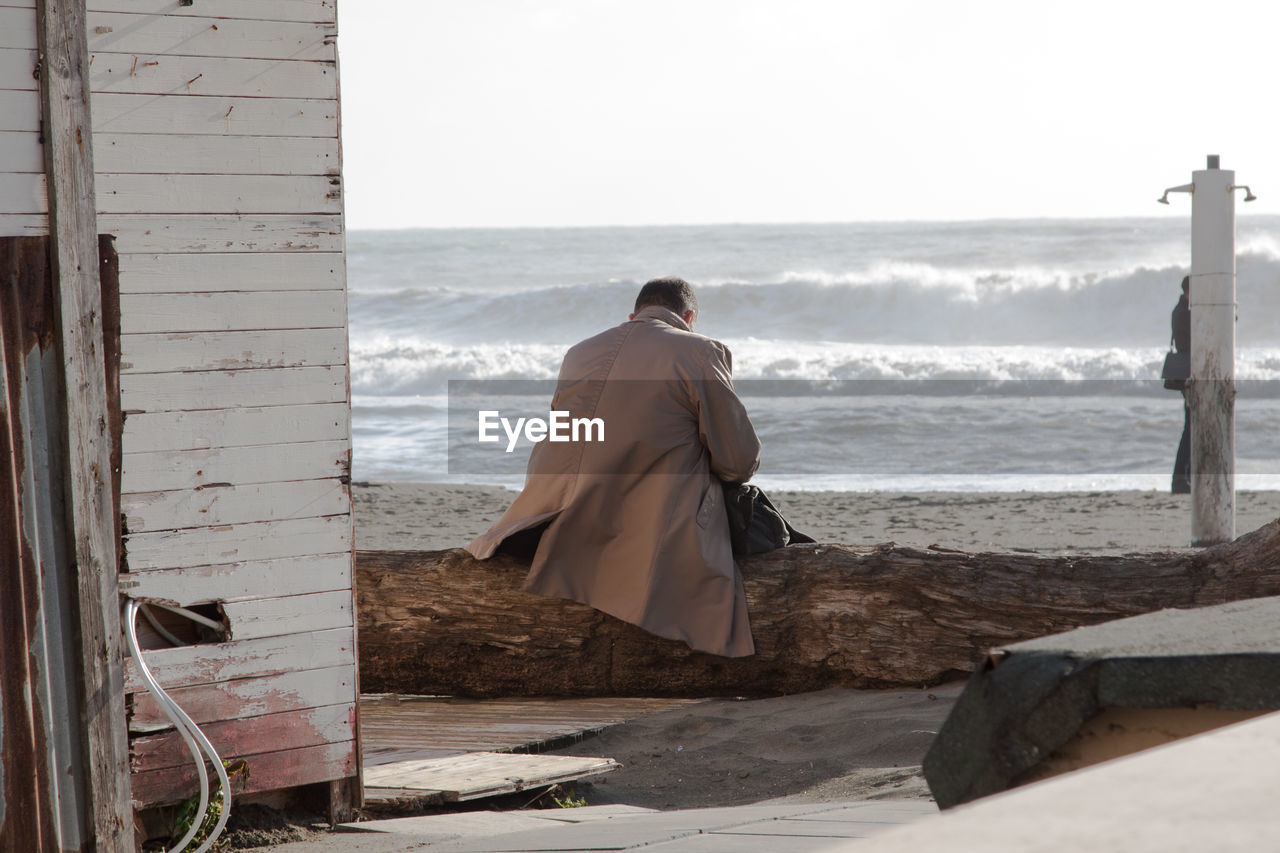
[[628, 112]]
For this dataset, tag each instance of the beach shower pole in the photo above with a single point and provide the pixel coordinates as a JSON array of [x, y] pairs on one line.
[[1211, 391]]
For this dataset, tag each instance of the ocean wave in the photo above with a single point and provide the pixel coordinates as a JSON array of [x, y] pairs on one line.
[[884, 302], [390, 368]]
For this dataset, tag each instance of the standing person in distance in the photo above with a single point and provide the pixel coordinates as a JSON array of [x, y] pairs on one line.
[[1181, 322]]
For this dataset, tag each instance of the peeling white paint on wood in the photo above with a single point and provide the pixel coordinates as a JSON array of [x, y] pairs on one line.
[[23, 224], [234, 543], [320, 11], [19, 110], [216, 662], [20, 152], [215, 389], [270, 771], [284, 730], [238, 427], [233, 581], [16, 67], [147, 471], [249, 697], [192, 154], [233, 504], [126, 113], [17, 26], [22, 193], [273, 617], [229, 312], [232, 273], [192, 35], [218, 170], [219, 194], [225, 194], [150, 74], [154, 353], [185, 233]]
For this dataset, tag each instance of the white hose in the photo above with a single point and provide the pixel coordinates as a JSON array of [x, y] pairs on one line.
[[194, 617], [191, 734], [160, 629]]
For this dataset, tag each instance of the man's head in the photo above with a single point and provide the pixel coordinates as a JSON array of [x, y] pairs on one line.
[[1186, 284], [674, 294]]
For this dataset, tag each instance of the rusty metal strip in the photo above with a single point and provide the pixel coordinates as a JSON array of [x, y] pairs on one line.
[[40, 694], [27, 817]]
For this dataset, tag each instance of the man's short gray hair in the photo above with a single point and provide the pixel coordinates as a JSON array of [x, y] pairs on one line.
[[675, 294]]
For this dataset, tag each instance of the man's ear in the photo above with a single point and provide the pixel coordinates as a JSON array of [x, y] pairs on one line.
[[687, 317], [631, 316]]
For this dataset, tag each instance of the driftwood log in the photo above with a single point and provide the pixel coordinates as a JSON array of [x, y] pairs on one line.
[[440, 622]]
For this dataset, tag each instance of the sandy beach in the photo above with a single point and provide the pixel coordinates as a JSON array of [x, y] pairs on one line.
[[835, 744], [425, 516]]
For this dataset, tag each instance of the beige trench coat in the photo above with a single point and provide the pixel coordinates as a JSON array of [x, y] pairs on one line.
[[635, 524]]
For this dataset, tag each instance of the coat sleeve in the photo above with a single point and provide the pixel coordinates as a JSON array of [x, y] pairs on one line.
[[723, 424]]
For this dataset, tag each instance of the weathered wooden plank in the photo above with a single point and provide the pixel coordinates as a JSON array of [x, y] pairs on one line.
[[190, 35], [484, 774], [396, 727], [234, 543], [251, 619], [78, 275], [164, 233], [219, 194], [186, 35], [248, 697], [217, 389], [186, 666], [126, 113], [230, 312], [22, 193], [24, 224], [230, 504], [285, 730], [237, 427], [19, 110], [156, 74], [118, 112], [225, 194], [20, 152], [228, 582], [192, 154], [214, 273], [155, 353], [17, 66], [264, 463], [268, 771], [319, 11], [18, 26]]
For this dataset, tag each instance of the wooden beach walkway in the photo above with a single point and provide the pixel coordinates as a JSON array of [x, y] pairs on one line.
[[432, 749]]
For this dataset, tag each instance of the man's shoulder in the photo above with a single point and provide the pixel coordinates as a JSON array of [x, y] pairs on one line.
[[674, 336], [631, 331], [608, 339]]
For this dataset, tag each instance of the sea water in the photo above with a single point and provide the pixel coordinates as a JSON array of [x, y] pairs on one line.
[[1001, 355]]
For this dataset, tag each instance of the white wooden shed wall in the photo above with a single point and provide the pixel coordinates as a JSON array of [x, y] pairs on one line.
[[218, 169]]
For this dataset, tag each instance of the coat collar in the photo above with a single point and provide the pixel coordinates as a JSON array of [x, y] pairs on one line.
[[666, 315]]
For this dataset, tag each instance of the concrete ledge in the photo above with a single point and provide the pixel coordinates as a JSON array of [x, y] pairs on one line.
[[1214, 791], [1030, 700]]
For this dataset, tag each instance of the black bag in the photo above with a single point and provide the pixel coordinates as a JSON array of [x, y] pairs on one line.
[[755, 525], [1176, 370]]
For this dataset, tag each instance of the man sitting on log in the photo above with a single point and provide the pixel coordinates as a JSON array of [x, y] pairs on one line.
[[634, 524]]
